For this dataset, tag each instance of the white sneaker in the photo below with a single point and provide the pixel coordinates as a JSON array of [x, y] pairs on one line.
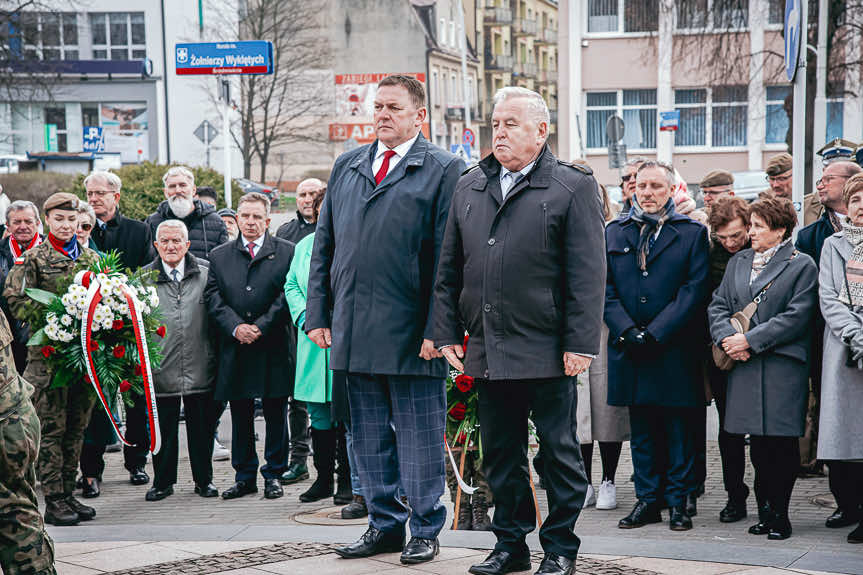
[[607, 498], [590, 498], [220, 452]]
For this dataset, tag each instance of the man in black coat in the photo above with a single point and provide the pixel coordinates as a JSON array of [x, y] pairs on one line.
[[304, 224], [22, 221], [370, 280], [246, 300], [133, 241], [522, 271], [206, 228]]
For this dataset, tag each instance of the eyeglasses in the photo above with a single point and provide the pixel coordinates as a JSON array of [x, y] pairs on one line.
[[718, 192], [86, 227], [626, 178], [99, 193], [826, 179], [779, 178]]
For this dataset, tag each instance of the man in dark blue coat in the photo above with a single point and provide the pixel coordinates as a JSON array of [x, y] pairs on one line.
[[370, 298], [655, 300]]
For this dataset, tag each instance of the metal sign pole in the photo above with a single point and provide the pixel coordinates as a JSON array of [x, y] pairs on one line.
[[226, 134], [798, 164]]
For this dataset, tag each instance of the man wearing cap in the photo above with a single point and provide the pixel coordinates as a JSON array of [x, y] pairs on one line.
[[780, 179], [717, 184], [64, 412], [229, 218]]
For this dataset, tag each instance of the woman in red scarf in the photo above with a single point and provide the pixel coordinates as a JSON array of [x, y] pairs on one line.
[[64, 412]]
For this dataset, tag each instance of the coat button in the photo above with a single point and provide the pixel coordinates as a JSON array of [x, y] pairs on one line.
[[487, 307], [642, 299], [491, 241], [626, 250], [248, 288], [248, 314], [644, 273]]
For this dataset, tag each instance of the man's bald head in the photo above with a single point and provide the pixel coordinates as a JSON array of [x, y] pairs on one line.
[[307, 191], [844, 168]]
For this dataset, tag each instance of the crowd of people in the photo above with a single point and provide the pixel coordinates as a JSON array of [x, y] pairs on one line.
[[341, 328]]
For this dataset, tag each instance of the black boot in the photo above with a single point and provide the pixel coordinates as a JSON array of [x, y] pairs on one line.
[[344, 495], [465, 516], [765, 517], [324, 446], [480, 519]]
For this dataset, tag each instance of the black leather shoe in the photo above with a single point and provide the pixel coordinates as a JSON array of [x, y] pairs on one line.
[[373, 542], [356, 509], [765, 516], [500, 563], [780, 528], [856, 536], [272, 489], [679, 520], [419, 550], [208, 490], [692, 505], [554, 564], [642, 514], [841, 518], [90, 488], [138, 476], [734, 510], [239, 489], [156, 494], [85, 512]]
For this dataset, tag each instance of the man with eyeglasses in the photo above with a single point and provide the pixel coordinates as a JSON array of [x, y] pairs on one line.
[[779, 176], [627, 183], [717, 184]]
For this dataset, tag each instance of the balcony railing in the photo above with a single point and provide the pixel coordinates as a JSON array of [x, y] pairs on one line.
[[548, 76], [522, 27], [497, 16], [498, 61], [526, 69], [547, 36], [454, 113]]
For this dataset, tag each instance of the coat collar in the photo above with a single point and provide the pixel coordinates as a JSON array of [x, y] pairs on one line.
[[775, 266], [267, 249], [190, 262], [538, 177], [669, 234], [363, 164]]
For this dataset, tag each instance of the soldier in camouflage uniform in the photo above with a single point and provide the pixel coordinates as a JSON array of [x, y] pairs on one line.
[[64, 412], [473, 511], [25, 548]]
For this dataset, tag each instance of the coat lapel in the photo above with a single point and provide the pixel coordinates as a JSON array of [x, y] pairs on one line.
[[741, 276], [267, 249], [363, 165], [774, 267], [667, 236]]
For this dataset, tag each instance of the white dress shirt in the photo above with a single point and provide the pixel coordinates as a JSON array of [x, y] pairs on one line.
[[400, 151], [258, 243], [181, 270]]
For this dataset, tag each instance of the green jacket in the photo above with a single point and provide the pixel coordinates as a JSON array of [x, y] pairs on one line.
[[314, 379]]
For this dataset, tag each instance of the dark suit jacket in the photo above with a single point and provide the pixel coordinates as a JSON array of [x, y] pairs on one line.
[[245, 290], [668, 300], [525, 275], [295, 230], [374, 261], [131, 238]]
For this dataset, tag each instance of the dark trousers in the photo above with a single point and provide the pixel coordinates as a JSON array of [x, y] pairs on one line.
[[137, 433], [776, 460], [397, 427], [244, 458], [846, 485], [504, 407], [663, 453], [200, 412], [732, 446], [298, 422]]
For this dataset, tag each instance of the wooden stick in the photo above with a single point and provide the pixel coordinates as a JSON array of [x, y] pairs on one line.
[[458, 493], [535, 500]]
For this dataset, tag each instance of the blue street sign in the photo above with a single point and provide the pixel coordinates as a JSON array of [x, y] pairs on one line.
[[793, 33], [93, 139], [252, 57], [668, 121], [461, 150]]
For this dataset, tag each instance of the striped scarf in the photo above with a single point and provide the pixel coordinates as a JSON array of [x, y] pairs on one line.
[[649, 224], [853, 267]]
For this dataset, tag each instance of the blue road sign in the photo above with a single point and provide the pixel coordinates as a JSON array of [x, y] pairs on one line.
[[793, 33], [92, 139], [252, 57], [668, 121], [461, 150]]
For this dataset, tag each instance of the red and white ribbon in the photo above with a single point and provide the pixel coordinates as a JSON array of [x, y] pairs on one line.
[[94, 296]]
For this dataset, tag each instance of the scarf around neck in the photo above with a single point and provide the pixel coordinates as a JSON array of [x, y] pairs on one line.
[[17, 251], [649, 224], [760, 260], [70, 249], [852, 291]]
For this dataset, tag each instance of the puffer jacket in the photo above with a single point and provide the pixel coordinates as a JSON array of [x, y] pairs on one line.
[[206, 228], [188, 353]]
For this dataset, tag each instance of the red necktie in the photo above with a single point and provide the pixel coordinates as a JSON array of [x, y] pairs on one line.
[[382, 172], [251, 247]]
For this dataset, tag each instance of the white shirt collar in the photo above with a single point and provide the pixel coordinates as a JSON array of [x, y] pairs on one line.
[[400, 150], [524, 171], [258, 242], [181, 269]]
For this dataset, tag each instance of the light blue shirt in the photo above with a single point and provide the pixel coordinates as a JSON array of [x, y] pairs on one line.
[[508, 179]]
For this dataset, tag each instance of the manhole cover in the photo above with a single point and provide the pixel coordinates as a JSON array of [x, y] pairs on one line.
[[327, 516]]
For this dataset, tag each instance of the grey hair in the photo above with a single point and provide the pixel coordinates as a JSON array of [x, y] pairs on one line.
[[85, 208], [19, 205], [179, 171], [536, 105], [112, 179], [173, 224], [635, 162], [666, 168], [255, 197]]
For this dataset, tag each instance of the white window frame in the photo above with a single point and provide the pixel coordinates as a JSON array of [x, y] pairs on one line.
[[129, 46], [441, 31], [452, 34], [710, 20], [618, 109], [435, 88], [620, 25], [41, 46], [708, 123]]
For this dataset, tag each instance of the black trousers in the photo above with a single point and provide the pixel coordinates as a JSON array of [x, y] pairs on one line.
[[732, 446], [846, 485], [137, 433], [244, 458], [776, 460], [200, 412], [504, 407], [298, 422]]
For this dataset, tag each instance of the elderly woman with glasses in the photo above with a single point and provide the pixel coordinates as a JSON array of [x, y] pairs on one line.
[[86, 223], [768, 385]]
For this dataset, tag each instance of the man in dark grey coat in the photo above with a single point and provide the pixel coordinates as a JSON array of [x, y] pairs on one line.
[[522, 270], [370, 297]]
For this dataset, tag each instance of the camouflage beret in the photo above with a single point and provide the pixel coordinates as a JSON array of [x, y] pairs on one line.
[[717, 178], [778, 164], [61, 201]]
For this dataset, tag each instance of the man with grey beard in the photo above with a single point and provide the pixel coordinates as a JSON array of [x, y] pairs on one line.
[[206, 229]]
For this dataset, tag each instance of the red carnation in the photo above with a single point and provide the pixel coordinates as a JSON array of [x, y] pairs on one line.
[[461, 439], [117, 325], [464, 345], [125, 385], [87, 379], [464, 383], [458, 411], [161, 331], [119, 351], [48, 351], [94, 345], [138, 370]]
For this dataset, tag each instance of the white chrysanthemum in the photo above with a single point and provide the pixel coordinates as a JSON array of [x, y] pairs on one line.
[[51, 331], [66, 320], [95, 326]]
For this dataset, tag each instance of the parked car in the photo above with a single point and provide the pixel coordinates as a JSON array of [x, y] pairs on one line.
[[8, 165], [250, 186], [748, 185]]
